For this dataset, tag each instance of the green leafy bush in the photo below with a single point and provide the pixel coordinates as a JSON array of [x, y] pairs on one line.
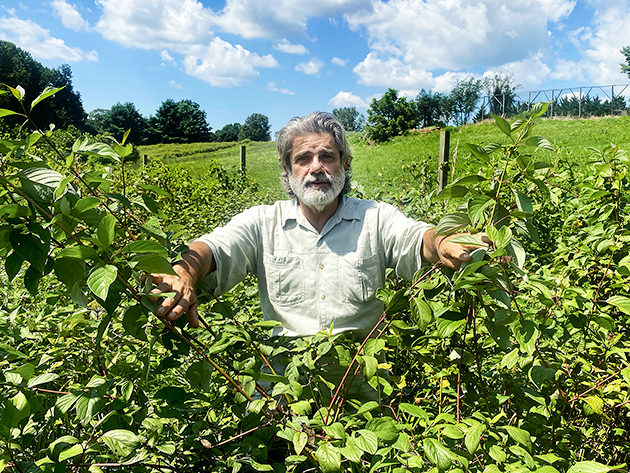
[[514, 363]]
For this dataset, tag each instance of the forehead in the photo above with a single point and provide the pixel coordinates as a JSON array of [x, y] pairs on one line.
[[312, 143]]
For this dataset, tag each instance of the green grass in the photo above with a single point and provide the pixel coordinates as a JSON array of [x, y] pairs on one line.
[[375, 164]]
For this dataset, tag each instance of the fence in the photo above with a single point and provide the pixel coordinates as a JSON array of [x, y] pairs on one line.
[[577, 102]]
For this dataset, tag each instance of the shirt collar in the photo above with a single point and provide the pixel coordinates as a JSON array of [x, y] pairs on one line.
[[348, 209]]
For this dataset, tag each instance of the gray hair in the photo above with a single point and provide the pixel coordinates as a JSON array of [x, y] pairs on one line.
[[316, 122]]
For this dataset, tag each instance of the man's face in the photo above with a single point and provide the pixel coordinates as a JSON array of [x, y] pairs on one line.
[[316, 176]]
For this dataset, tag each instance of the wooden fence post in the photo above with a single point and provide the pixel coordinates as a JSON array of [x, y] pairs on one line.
[[243, 153], [145, 160], [445, 139]]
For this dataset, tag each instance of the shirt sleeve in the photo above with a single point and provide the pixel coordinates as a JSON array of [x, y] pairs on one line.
[[235, 248], [402, 241]]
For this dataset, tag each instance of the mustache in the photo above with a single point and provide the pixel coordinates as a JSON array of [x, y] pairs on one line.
[[317, 177]]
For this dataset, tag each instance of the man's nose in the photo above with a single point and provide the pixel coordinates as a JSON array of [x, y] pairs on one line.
[[316, 165]]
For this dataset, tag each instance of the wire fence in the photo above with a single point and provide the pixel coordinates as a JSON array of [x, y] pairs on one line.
[[580, 102]]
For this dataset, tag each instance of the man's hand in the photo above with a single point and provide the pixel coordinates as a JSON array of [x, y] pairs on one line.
[[450, 254], [194, 265], [183, 301]]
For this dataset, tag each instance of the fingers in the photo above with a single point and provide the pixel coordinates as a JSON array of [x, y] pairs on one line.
[[453, 255], [182, 300]]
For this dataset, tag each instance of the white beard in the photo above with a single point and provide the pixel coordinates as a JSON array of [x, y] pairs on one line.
[[316, 197]]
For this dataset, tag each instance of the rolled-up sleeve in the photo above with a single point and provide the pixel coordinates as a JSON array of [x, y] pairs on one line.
[[235, 250]]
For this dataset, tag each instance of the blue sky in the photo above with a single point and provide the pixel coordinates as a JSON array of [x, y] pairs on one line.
[[285, 58]]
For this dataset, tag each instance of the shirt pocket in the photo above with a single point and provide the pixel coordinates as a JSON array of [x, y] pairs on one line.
[[363, 276], [285, 279]]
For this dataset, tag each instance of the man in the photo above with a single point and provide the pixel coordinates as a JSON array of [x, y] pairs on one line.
[[319, 257]]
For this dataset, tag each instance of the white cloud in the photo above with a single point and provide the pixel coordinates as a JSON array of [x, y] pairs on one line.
[[339, 62], [347, 99], [392, 72], [184, 27], [285, 46], [312, 67], [70, 16], [223, 65], [175, 85], [272, 87], [38, 41], [281, 18], [154, 25], [167, 58]]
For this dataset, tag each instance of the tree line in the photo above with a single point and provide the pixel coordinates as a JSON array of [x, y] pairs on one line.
[[173, 122]]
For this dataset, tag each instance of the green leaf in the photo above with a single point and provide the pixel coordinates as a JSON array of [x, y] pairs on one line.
[[467, 240], [299, 442], [78, 252], [134, 320], [476, 207], [329, 458], [101, 278], [367, 441], [473, 437], [369, 365], [503, 125], [539, 109], [589, 467], [478, 152], [198, 374], [156, 189], [595, 403], [539, 142], [153, 264], [500, 237], [620, 302], [437, 454], [106, 231], [351, 451], [523, 202], [422, 313], [452, 223], [121, 442], [17, 91], [539, 374], [145, 246], [384, 428], [5, 113], [42, 379], [47, 92], [526, 334], [521, 436], [452, 192], [15, 410], [69, 271], [13, 264]]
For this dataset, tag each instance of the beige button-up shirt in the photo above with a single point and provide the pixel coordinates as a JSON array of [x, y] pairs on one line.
[[310, 280]]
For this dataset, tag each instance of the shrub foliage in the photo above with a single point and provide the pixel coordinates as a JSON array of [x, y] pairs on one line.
[[517, 362]]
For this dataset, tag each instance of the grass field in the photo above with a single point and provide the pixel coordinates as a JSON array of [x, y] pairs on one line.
[[374, 164]]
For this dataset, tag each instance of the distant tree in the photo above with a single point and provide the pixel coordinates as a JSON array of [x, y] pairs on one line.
[[255, 128], [229, 132], [433, 108], [625, 68], [96, 120], [17, 67], [390, 116], [464, 98], [350, 118], [179, 122], [122, 117], [501, 92]]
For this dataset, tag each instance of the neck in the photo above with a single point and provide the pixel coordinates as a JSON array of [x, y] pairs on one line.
[[318, 218]]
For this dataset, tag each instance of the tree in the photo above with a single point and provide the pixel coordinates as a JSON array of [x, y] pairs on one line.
[[350, 118], [625, 68], [501, 92], [122, 117], [17, 67], [390, 116], [464, 97], [433, 109], [255, 128], [229, 132], [180, 122]]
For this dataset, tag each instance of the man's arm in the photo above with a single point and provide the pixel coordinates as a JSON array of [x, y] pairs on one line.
[[194, 265], [440, 248]]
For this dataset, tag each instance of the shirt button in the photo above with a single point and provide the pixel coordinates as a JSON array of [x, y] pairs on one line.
[[323, 296], [321, 266]]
